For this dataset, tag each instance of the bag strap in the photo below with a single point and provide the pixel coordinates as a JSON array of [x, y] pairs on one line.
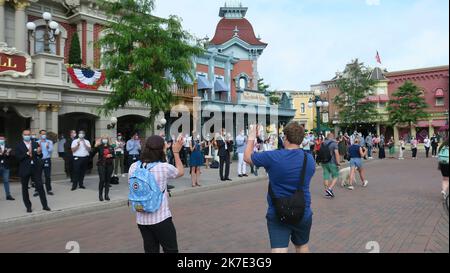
[[303, 172], [302, 176]]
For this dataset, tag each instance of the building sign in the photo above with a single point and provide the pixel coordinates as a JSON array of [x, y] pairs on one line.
[[13, 62], [325, 118], [254, 98]]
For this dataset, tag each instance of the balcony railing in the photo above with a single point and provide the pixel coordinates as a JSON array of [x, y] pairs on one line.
[[185, 92]]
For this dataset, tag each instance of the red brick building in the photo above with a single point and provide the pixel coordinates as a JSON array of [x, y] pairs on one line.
[[434, 83]]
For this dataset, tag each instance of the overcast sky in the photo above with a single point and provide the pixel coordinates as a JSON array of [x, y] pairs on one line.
[[309, 40]]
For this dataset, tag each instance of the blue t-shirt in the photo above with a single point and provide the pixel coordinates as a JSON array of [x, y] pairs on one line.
[[354, 151], [284, 168]]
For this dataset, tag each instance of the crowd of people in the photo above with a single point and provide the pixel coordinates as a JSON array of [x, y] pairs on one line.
[[279, 155]]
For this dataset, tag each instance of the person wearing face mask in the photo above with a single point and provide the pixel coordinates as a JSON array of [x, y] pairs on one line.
[[225, 146], [29, 155], [81, 148], [133, 149], [118, 156], [47, 149], [196, 161], [104, 165], [241, 143], [5, 155], [68, 155]]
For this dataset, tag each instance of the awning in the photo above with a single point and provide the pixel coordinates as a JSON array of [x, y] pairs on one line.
[[439, 93], [203, 83], [373, 99], [439, 123], [220, 86], [383, 98], [423, 124]]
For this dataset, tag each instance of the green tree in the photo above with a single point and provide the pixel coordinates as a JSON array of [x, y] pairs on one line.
[[262, 87], [355, 85], [407, 105], [144, 56], [75, 50]]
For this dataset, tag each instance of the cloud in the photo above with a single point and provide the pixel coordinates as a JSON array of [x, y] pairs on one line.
[[310, 40], [373, 2]]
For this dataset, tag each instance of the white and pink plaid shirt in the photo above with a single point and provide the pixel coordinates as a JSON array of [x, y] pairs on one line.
[[162, 172]]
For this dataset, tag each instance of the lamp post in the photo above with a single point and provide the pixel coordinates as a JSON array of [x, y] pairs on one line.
[[113, 123], [51, 30], [318, 103]]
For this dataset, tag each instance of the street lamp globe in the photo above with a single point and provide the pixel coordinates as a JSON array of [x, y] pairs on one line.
[[317, 92], [53, 25], [57, 32], [310, 104], [31, 26], [326, 104], [47, 16], [113, 120], [163, 121], [319, 103]]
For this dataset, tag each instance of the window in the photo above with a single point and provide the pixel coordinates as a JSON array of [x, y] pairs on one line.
[[39, 41], [382, 104], [242, 83], [302, 108], [440, 102]]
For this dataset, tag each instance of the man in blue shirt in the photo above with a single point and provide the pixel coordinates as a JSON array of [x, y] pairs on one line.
[[47, 149], [284, 168], [133, 149]]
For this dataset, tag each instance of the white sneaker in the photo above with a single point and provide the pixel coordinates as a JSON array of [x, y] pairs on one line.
[[124, 175], [444, 195], [351, 188], [365, 183]]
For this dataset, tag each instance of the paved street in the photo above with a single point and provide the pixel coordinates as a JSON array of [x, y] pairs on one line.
[[401, 210]]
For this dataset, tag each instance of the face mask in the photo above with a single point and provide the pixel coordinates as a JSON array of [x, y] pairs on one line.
[[81, 135], [119, 138], [27, 138], [43, 137], [2, 142], [104, 141], [33, 137]]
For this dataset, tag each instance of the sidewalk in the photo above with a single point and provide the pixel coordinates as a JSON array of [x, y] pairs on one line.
[[68, 203]]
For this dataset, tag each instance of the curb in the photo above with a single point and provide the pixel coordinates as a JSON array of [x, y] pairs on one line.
[[41, 216]]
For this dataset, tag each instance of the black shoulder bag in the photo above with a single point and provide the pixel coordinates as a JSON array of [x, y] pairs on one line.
[[290, 210]]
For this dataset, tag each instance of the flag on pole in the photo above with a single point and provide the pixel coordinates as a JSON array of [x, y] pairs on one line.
[[378, 58]]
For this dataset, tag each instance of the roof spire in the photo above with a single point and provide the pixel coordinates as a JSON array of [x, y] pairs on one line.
[[233, 10]]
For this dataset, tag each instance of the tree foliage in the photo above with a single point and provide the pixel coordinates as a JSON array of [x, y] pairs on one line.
[[355, 86], [144, 56], [407, 105], [262, 87], [75, 50]]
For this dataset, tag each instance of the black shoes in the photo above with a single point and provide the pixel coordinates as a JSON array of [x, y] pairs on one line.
[[73, 188], [47, 209], [107, 198], [240, 175], [29, 210], [50, 193], [228, 179], [82, 187], [35, 194], [100, 197], [245, 175], [10, 198]]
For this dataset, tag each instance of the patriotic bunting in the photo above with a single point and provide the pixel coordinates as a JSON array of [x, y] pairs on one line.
[[87, 78]]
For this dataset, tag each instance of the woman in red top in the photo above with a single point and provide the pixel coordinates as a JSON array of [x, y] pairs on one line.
[[105, 165], [317, 144]]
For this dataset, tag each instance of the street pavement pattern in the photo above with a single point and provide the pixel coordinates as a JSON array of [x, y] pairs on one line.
[[401, 211]]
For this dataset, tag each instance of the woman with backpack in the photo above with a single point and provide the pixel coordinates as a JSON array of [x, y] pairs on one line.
[[157, 228], [105, 165], [444, 167], [356, 153]]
